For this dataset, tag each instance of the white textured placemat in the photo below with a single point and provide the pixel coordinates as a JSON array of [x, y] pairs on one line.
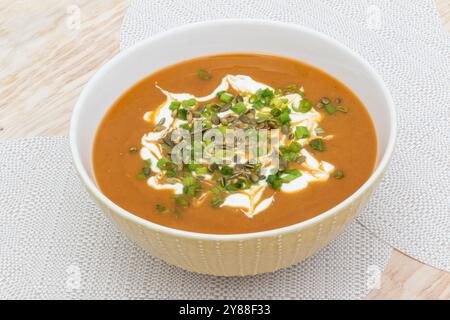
[[404, 41], [56, 244]]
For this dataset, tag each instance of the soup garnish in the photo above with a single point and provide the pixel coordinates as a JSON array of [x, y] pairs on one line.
[[234, 143], [240, 178]]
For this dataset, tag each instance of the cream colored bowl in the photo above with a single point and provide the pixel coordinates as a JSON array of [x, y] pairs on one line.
[[240, 254]]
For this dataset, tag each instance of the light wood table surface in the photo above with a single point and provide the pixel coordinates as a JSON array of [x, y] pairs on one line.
[[45, 61]]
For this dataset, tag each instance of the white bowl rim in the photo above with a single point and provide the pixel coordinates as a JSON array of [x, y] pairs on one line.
[[91, 186]]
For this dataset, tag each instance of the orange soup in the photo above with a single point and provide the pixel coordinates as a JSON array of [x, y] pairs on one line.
[[234, 143]]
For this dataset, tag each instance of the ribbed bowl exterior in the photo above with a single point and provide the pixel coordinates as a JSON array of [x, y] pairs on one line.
[[240, 257]]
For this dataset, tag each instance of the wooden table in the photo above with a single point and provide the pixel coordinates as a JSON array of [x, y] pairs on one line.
[[46, 60]]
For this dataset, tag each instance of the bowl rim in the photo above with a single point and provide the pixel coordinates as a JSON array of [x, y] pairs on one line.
[[94, 190]]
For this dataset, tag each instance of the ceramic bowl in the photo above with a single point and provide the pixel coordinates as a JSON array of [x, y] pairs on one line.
[[239, 254]]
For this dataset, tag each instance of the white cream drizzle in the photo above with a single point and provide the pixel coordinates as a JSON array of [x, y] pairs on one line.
[[250, 201]]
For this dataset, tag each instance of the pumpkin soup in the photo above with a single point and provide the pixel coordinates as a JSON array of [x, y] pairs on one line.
[[234, 143]]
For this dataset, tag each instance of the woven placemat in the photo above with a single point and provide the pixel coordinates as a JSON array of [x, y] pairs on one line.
[[404, 41], [55, 243]]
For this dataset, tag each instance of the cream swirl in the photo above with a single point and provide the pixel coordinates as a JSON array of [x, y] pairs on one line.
[[257, 198]]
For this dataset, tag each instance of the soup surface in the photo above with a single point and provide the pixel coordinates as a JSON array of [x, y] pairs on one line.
[[300, 143]]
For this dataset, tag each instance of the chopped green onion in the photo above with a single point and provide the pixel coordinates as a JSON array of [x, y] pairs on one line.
[[181, 201], [217, 190], [193, 166], [188, 181], [319, 131], [330, 108], [290, 156], [263, 116], [146, 171], [161, 208], [284, 117], [267, 93], [190, 190], [239, 108], [317, 144], [171, 173], [182, 113], [243, 184], [217, 201], [292, 88], [231, 188], [276, 102], [201, 170], [319, 105], [290, 153], [295, 147], [141, 176], [185, 126], [274, 181], [174, 105], [290, 174], [211, 107], [301, 132], [275, 112], [162, 163], [304, 106], [204, 75], [190, 186], [338, 174], [261, 98], [226, 97], [258, 105], [226, 170], [188, 103]]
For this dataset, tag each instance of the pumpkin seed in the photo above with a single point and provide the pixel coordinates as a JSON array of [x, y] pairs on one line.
[[325, 100], [215, 119], [213, 167], [225, 107], [244, 118], [189, 117], [272, 124], [159, 128], [132, 149], [196, 114]]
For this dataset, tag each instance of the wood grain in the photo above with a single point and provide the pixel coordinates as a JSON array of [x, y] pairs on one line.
[[45, 62]]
